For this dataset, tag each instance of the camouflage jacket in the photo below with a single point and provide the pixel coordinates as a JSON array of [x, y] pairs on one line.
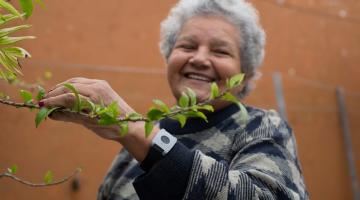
[[230, 157]]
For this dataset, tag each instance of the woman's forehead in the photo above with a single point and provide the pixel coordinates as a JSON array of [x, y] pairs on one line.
[[216, 30]]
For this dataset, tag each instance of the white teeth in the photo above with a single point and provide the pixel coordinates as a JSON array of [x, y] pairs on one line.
[[197, 77]]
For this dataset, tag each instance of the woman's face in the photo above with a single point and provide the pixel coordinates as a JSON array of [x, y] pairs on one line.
[[206, 51]]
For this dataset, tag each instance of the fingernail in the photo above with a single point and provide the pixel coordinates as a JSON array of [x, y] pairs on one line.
[[41, 104]]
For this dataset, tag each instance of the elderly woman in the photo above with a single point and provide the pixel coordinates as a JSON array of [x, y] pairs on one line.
[[203, 41]]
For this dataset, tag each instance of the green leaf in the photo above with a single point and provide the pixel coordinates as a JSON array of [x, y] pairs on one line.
[[214, 90], [27, 7], [86, 104], [7, 6], [8, 17], [41, 93], [124, 128], [42, 114], [9, 63], [197, 114], [207, 107], [48, 177], [17, 52], [113, 109], [106, 120], [13, 169], [229, 97], [11, 40], [77, 105], [26, 96], [135, 116], [148, 128], [7, 31], [154, 114], [192, 96], [244, 116], [181, 119], [184, 100], [163, 107], [108, 115], [236, 80]]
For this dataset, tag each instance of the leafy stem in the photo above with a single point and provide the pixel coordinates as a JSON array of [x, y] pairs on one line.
[[47, 179], [109, 115]]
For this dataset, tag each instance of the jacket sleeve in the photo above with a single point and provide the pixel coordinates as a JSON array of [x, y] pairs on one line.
[[264, 166]]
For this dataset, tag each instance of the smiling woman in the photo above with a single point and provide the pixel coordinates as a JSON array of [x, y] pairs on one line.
[[230, 157]]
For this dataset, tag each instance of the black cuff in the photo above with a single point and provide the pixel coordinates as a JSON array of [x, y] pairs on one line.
[[152, 157], [167, 178]]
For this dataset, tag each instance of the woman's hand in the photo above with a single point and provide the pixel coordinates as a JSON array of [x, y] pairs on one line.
[[97, 91], [90, 89]]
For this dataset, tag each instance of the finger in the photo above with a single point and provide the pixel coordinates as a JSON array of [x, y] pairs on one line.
[[75, 80], [61, 89], [66, 100]]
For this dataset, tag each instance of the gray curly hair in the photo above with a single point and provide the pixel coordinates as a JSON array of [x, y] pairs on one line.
[[238, 12]]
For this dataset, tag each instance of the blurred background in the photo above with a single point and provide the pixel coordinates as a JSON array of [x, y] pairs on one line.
[[310, 75]]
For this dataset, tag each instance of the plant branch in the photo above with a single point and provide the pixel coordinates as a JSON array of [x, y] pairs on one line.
[[28, 183], [207, 102], [19, 105], [179, 110]]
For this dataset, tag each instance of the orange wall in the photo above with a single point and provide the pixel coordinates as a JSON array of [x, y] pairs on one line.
[[117, 40]]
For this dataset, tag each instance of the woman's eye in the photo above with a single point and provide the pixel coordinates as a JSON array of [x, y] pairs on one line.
[[222, 52], [188, 47]]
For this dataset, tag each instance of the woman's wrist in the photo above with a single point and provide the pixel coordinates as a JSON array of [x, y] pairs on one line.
[[135, 141]]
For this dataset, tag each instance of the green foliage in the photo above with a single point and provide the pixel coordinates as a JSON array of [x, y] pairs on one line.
[[207, 108], [43, 114], [8, 17], [181, 118], [26, 96], [9, 55], [191, 94], [148, 128], [124, 128], [41, 93], [7, 31], [163, 107], [108, 115], [214, 91], [13, 169], [6, 40], [235, 81], [7, 6], [27, 7], [155, 114], [229, 97], [184, 100], [16, 52], [48, 177], [77, 105]]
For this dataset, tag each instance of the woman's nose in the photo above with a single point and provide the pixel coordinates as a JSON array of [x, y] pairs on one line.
[[200, 58]]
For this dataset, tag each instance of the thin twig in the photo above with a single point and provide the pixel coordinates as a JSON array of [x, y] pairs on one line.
[[19, 105], [28, 183]]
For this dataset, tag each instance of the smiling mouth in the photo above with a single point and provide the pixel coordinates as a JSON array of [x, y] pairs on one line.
[[199, 77]]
